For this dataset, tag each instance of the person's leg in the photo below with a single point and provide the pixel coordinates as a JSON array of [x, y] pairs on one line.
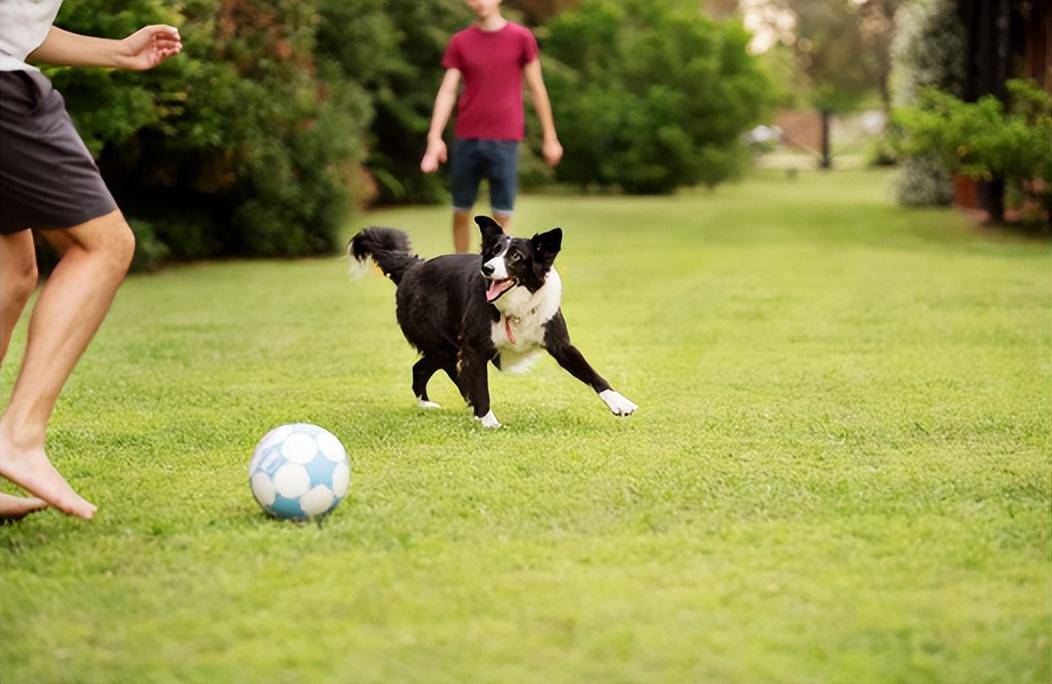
[[19, 267], [504, 220], [503, 175], [466, 174], [75, 299], [461, 230]]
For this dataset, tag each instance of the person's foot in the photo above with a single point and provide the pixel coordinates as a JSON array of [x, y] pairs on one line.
[[31, 470], [18, 507]]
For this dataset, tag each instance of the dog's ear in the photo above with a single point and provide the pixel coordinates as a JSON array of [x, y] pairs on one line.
[[547, 245], [489, 228]]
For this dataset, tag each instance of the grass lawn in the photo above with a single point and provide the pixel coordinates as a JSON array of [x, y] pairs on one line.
[[840, 470]]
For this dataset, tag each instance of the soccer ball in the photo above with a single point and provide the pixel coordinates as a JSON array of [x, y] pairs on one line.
[[299, 471]]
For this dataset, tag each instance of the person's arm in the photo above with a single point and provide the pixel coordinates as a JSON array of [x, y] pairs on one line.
[[144, 49], [447, 97], [551, 148]]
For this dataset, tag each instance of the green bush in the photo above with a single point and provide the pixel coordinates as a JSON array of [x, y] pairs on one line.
[[241, 145], [649, 95], [985, 140]]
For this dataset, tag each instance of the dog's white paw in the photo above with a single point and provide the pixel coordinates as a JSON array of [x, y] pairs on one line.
[[489, 420], [425, 404], [619, 404]]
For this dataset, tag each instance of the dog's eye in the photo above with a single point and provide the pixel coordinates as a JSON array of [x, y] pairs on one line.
[[515, 256]]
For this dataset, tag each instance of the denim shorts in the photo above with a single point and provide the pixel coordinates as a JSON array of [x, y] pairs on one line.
[[478, 158]]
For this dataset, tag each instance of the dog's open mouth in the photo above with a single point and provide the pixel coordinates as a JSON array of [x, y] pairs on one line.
[[498, 287]]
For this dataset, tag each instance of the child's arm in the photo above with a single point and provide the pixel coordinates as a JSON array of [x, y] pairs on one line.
[[144, 49], [551, 148], [436, 147]]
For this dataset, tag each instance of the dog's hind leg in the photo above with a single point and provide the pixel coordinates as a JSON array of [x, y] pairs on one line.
[[422, 372], [474, 386]]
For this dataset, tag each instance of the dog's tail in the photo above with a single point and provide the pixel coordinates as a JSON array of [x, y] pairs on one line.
[[388, 247]]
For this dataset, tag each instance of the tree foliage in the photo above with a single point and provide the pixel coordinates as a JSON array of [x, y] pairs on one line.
[[650, 95]]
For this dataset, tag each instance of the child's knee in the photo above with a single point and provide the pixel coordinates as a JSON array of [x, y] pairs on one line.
[[24, 278]]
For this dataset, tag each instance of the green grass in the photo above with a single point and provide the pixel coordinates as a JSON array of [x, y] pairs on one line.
[[839, 471]]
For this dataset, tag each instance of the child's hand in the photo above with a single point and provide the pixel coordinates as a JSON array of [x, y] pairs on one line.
[[552, 151], [435, 155], [149, 46]]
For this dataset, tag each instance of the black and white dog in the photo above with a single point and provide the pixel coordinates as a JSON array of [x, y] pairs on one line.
[[462, 311]]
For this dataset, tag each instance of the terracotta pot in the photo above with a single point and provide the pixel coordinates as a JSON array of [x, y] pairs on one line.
[[965, 192]]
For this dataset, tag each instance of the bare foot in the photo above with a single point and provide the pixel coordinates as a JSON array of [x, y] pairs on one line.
[[18, 507], [31, 470]]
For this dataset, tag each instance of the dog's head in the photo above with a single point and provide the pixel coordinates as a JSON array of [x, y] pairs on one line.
[[510, 261]]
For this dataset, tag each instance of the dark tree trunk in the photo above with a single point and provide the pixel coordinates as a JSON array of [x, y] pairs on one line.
[[827, 159], [987, 29]]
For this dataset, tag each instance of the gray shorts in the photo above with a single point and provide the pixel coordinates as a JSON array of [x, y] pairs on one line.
[[47, 176]]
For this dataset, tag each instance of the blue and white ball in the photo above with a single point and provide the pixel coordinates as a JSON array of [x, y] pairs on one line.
[[299, 471]]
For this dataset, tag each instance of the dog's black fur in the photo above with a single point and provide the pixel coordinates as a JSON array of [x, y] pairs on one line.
[[462, 311]]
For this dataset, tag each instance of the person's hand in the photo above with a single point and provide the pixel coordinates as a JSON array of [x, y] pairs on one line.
[[552, 150], [149, 46], [435, 155]]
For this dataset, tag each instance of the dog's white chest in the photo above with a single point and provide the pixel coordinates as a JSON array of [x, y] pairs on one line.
[[519, 334]]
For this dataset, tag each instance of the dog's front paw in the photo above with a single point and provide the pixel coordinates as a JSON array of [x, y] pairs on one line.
[[489, 420], [425, 404], [619, 404]]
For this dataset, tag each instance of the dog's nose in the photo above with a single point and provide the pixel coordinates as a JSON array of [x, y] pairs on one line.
[[487, 269]]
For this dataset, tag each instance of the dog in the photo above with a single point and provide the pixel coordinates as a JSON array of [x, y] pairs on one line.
[[463, 311]]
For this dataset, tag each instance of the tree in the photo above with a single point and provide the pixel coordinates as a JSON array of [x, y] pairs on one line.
[[842, 52]]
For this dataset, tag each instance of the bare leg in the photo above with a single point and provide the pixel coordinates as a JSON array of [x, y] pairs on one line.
[[19, 266], [75, 299], [461, 231], [504, 220]]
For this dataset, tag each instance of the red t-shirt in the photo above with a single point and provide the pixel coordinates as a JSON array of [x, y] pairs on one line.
[[491, 62]]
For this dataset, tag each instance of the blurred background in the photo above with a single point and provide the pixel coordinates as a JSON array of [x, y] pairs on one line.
[[283, 118]]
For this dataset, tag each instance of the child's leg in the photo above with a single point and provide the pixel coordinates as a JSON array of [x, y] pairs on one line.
[[503, 158], [18, 261], [466, 174], [75, 299]]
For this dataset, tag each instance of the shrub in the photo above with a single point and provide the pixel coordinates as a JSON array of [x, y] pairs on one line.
[[650, 95], [242, 135], [984, 140]]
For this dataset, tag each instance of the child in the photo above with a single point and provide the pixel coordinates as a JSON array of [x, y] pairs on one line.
[[49, 183], [492, 55]]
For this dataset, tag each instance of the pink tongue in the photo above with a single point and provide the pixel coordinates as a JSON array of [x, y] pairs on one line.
[[495, 288]]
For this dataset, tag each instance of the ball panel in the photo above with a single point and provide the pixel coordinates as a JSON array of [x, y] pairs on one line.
[[291, 480], [317, 501], [263, 488], [266, 460], [299, 448], [320, 470], [286, 508], [341, 479], [275, 436], [330, 446]]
